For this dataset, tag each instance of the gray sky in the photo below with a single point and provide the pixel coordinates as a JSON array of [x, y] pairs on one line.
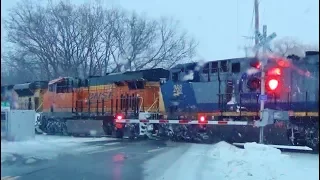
[[219, 25]]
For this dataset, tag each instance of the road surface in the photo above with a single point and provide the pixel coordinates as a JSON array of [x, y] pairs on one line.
[[118, 160], [160, 160]]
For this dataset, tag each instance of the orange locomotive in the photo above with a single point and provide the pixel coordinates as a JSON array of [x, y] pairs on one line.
[[74, 102]]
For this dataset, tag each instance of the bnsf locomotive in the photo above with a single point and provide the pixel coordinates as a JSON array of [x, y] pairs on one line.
[[160, 102]]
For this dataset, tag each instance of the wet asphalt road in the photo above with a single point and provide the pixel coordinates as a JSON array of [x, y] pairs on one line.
[[121, 160]]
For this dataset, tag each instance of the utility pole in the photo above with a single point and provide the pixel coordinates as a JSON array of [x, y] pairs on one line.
[[261, 40], [262, 81], [263, 63], [256, 24], [264, 42], [256, 29]]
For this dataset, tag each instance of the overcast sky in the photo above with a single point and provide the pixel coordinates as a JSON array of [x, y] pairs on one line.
[[219, 25]]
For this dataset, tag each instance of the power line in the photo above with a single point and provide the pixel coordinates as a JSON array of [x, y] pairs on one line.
[[237, 23], [251, 30], [251, 24]]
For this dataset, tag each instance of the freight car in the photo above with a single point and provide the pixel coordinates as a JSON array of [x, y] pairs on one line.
[[225, 94]]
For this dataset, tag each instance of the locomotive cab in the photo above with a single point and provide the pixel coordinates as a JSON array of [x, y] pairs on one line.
[[60, 95], [30, 95]]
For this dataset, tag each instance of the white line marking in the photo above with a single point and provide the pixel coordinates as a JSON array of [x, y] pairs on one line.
[[114, 143], [105, 150], [154, 150], [9, 177], [304, 148]]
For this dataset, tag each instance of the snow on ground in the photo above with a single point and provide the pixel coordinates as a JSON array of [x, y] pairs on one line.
[[46, 147], [223, 161]]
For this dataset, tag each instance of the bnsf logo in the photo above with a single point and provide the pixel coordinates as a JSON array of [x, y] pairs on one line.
[[100, 95]]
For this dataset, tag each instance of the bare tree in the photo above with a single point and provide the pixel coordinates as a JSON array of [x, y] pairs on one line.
[[284, 47], [147, 43], [62, 39], [288, 46]]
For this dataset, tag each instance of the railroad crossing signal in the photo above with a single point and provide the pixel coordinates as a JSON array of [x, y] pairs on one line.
[[264, 43], [264, 40]]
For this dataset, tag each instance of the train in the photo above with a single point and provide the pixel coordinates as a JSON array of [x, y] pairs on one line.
[[171, 103]]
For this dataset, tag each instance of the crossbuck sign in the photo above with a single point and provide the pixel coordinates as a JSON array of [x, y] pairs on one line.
[[264, 40]]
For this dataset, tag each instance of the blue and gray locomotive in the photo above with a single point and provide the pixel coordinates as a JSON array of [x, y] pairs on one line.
[[229, 90]]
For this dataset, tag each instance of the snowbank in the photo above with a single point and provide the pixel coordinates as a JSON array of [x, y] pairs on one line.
[[44, 147], [255, 162], [223, 161]]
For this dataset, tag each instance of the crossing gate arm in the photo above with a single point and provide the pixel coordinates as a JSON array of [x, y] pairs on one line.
[[239, 123]]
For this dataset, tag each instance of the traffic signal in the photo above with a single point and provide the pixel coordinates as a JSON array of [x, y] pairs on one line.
[[273, 82]]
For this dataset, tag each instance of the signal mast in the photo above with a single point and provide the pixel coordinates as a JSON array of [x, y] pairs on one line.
[[262, 40]]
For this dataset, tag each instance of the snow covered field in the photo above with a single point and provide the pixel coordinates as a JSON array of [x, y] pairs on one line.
[[223, 161], [46, 147]]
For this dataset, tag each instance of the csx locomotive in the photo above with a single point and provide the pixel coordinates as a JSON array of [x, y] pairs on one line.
[[229, 90], [224, 90]]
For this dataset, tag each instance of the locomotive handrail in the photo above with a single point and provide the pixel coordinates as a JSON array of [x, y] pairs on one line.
[[157, 99], [253, 101], [94, 106]]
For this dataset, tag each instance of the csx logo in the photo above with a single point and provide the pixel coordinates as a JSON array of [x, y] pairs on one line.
[[177, 90]]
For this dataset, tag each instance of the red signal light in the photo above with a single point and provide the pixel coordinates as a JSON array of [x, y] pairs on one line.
[[202, 120], [273, 84], [277, 71], [119, 117], [274, 71], [256, 64], [283, 63], [273, 80], [253, 84]]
